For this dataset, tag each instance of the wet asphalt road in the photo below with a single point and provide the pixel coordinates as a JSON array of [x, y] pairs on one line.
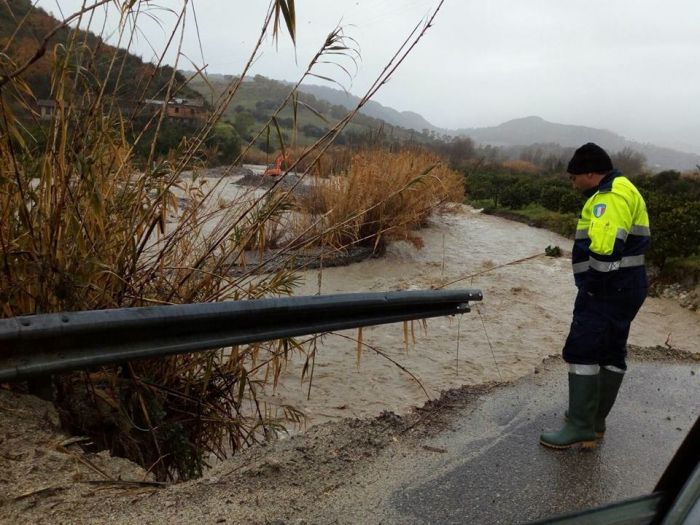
[[493, 470]]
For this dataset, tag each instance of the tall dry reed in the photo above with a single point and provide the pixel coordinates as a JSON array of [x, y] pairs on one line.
[[384, 196], [87, 223]]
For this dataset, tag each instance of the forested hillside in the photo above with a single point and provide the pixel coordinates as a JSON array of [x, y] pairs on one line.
[[301, 122], [511, 137], [22, 32]]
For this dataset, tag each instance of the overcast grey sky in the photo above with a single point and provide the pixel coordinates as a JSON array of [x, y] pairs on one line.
[[630, 66]]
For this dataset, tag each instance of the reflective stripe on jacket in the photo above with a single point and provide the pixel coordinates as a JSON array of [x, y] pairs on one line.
[[612, 236]]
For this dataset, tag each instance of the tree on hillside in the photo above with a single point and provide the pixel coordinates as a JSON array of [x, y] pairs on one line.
[[570, 202], [226, 141], [629, 161], [551, 196], [243, 122], [460, 150], [550, 158]]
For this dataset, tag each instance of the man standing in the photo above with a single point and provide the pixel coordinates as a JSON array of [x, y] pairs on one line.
[[608, 263]]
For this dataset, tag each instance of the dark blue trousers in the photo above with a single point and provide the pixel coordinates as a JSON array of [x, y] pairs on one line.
[[600, 327]]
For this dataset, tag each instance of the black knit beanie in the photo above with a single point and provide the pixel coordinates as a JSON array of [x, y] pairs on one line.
[[589, 158]]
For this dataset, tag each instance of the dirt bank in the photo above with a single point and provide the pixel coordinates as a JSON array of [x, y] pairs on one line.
[[47, 479]]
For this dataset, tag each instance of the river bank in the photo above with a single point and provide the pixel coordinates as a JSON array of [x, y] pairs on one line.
[[676, 284]]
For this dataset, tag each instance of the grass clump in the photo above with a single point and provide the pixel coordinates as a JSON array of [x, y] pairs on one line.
[[685, 270], [383, 196], [540, 217]]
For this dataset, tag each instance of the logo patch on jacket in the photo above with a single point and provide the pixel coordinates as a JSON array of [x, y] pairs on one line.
[[599, 210]]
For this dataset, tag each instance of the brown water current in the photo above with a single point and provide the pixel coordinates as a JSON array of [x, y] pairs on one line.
[[523, 318]]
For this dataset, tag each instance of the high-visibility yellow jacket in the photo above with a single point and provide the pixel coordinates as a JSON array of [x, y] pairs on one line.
[[612, 236]]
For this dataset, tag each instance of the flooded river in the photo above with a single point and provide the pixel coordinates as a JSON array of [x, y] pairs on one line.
[[523, 318]]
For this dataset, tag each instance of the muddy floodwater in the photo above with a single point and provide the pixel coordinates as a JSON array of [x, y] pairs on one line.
[[523, 318]]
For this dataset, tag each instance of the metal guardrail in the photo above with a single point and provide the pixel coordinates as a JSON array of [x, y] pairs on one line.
[[44, 344]]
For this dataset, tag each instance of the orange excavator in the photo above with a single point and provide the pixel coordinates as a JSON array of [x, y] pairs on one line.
[[275, 170]]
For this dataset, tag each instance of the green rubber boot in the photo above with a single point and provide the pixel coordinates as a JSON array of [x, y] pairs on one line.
[[608, 386], [610, 381], [579, 426]]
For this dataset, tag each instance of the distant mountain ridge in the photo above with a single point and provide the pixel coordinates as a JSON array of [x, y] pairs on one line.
[[533, 130], [405, 119], [529, 130], [517, 132]]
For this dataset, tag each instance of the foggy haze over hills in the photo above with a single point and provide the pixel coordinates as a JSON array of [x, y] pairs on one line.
[[626, 66], [534, 129], [521, 131]]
